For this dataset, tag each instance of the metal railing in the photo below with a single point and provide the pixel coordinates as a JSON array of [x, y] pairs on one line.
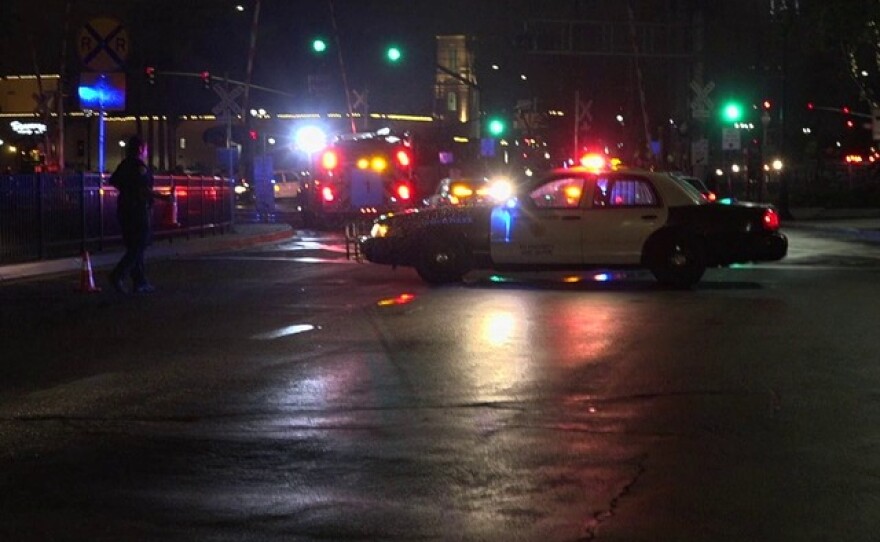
[[51, 215]]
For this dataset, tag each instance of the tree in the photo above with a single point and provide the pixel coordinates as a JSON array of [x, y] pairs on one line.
[[853, 28]]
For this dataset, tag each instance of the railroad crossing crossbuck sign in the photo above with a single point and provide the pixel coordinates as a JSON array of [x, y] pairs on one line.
[[701, 105], [359, 99], [103, 45], [228, 108], [583, 116]]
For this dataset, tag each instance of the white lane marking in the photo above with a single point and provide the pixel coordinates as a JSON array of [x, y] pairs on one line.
[[300, 245], [284, 332], [276, 259], [807, 267]]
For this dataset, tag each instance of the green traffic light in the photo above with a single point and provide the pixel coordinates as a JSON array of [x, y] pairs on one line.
[[732, 112], [393, 54], [319, 45], [496, 127]]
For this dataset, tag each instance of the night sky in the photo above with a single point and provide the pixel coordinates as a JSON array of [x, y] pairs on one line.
[[197, 35], [211, 35]]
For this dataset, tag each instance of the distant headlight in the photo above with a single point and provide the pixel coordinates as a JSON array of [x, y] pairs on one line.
[[240, 189], [379, 230]]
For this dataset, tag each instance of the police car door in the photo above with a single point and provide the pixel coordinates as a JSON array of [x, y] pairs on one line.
[[543, 227], [626, 209]]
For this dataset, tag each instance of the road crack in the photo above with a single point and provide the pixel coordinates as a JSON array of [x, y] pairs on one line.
[[592, 525]]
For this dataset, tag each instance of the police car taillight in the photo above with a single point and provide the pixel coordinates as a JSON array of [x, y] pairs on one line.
[[770, 220], [403, 158], [403, 192]]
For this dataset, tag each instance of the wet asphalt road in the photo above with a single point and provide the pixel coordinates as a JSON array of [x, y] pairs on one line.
[[283, 393]]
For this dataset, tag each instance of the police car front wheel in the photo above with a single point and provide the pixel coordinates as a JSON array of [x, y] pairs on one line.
[[442, 261]]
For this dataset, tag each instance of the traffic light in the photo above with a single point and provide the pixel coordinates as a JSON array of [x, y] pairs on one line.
[[253, 135], [319, 45], [206, 78], [767, 105], [496, 126], [150, 72], [732, 112], [393, 54]]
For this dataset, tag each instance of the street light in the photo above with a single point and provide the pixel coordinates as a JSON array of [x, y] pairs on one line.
[[310, 139]]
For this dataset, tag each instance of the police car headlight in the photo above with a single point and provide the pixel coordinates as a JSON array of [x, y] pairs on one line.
[[500, 190], [379, 230]]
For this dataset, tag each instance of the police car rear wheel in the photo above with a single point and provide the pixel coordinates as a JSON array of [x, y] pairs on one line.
[[679, 263]]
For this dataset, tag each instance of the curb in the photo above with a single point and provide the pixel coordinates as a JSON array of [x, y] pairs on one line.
[[70, 264]]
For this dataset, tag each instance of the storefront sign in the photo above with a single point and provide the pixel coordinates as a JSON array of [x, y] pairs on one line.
[[28, 128]]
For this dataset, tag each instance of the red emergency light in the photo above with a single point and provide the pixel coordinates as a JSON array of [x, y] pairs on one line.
[[403, 158], [403, 191]]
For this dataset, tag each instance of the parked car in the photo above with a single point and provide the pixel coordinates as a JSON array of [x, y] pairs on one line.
[[286, 185], [697, 184], [580, 218]]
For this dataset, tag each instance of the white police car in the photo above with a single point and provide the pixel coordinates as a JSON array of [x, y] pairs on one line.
[[582, 218]]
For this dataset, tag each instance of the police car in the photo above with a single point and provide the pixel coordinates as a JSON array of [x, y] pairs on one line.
[[582, 218]]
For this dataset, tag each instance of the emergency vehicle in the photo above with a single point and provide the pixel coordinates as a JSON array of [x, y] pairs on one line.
[[361, 176]]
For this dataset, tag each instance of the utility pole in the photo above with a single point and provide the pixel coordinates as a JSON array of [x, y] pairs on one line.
[[342, 67], [62, 80], [255, 22]]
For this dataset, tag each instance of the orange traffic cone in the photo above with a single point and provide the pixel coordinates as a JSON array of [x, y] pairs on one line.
[[86, 279]]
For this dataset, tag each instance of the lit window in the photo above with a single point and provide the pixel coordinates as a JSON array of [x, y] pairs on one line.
[[624, 193]]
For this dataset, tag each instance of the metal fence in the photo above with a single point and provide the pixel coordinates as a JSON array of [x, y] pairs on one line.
[[50, 215], [826, 185]]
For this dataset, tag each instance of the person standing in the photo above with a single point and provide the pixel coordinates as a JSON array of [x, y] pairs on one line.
[[133, 179]]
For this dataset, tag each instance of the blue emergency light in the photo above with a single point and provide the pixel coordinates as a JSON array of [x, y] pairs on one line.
[[102, 92]]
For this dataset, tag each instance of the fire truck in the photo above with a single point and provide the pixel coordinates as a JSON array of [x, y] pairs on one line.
[[360, 176]]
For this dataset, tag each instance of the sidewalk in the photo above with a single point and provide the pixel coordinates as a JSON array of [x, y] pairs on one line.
[[861, 223], [245, 235]]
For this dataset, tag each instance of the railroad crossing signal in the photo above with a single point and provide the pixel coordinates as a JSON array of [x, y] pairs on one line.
[[701, 105], [359, 99], [227, 108], [582, 116], [103, 45]]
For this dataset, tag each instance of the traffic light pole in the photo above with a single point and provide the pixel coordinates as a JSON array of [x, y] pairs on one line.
[[458, 77], [212, 79]]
